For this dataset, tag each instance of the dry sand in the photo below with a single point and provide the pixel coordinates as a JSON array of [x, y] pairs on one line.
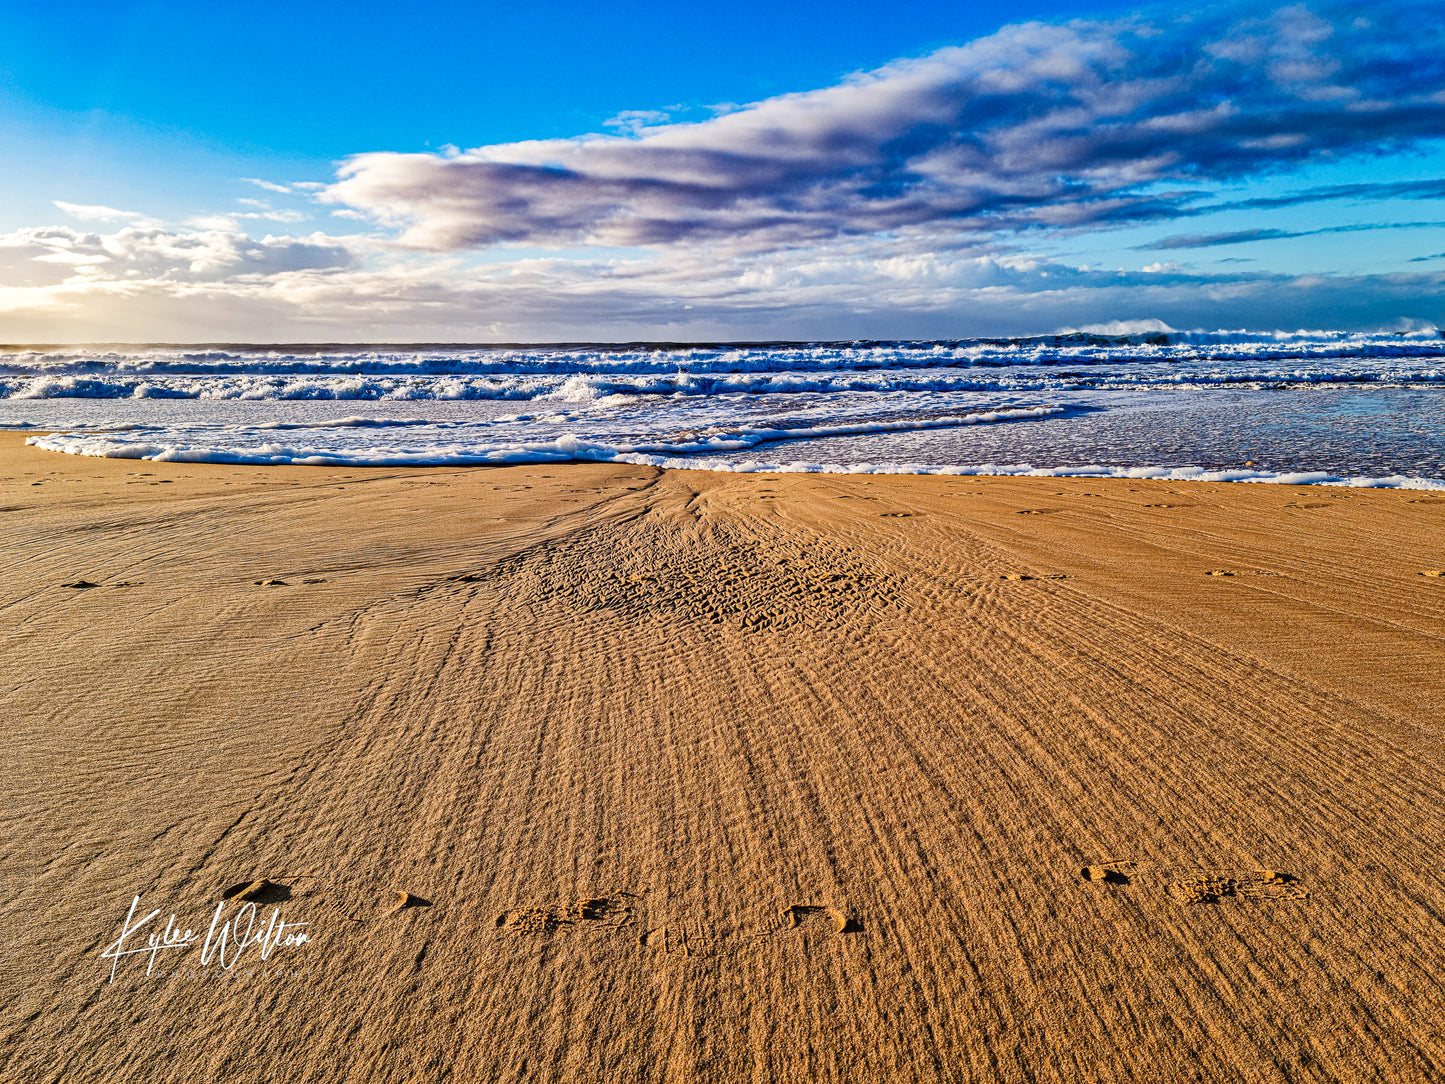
[[704, 777]]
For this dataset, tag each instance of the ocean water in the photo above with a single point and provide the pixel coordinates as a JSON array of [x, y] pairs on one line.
[[1322, 407]]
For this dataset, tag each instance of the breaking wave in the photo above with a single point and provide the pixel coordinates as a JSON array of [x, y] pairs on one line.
[[1299, 407]]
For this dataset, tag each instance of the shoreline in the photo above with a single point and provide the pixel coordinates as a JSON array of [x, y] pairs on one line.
[[715, 776], [1094, 472]]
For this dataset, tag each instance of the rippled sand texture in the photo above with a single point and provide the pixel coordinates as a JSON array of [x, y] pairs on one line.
[[596, 773]]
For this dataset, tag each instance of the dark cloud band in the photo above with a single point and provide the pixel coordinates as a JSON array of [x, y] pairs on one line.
[[1039, 126]]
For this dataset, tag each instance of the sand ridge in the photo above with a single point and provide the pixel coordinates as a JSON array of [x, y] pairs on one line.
[[593, 773]]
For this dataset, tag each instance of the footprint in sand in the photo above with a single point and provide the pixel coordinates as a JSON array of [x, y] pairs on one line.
[[813, 917], [1265, 884], [594, 911], [605, 910], [1192, 885], [672, 942], [258, 891], [528, 920]]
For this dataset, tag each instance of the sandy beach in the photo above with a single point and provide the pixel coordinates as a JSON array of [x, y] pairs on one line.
[[597, 773]]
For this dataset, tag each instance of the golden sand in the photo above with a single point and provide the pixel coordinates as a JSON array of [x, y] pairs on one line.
[[603, 773]]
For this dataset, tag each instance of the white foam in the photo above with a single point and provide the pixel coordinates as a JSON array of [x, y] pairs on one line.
[[157, 445], [712, 407], [569, 449]]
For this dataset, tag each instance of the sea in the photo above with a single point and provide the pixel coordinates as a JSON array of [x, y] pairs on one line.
[[1300, 407]]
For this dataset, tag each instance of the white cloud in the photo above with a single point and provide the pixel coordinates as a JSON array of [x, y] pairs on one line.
[[226, 223], [144, 284], [215, 253]]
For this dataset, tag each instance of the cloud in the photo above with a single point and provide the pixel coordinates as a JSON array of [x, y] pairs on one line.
[[264, 212], [45, 255], [1368, 192], [169, 285], [96, 213], [1239, 237], [269, 186], [1069, 126], [634, 121], [1208, 240], [287, 217]]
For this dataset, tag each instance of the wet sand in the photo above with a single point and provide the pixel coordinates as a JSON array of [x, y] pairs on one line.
[[602, 773]]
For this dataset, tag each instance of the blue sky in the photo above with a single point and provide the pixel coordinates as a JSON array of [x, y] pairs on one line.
[[441, 171]]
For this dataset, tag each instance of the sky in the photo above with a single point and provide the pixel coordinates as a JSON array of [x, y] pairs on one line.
[[479, 172]]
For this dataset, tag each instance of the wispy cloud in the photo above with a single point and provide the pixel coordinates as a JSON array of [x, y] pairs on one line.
[[88, 212], [635, 121], [263, 211], [269, 186], [1239, 237], [1370, 192]]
